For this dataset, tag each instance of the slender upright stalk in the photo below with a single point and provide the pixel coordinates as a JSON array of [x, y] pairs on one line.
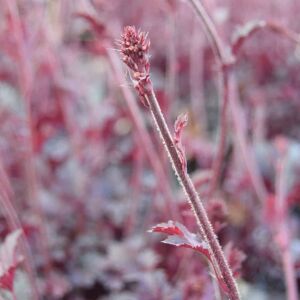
[[224, 60], [211, 32], [134, 49], [242, 143], [204, 224], [217, 163]]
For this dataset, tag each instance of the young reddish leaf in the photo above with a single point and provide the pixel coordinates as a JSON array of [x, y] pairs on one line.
[[9, 260], [180, 123], [179, 236], [193, 243], [170, 228]]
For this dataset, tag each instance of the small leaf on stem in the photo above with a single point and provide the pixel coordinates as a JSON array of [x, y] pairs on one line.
[[180, 236], [180, 123]]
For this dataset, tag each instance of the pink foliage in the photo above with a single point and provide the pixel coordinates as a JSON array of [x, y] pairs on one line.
[[83, 173], [179, 236]]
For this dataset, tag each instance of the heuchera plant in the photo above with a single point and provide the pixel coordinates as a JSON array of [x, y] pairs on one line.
[[134, 49], [84, 173]]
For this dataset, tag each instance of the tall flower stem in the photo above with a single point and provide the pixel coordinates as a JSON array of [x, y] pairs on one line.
[[134, 49], [184, 179]]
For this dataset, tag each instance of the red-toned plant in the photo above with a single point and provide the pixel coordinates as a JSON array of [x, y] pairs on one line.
[[83, 173], [134, 47]]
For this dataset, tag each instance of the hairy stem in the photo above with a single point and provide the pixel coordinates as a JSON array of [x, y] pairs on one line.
[[205, 226], [217, 163], [134, 48]]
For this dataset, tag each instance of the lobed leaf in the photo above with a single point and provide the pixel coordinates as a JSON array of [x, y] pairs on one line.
[[180, 236]]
